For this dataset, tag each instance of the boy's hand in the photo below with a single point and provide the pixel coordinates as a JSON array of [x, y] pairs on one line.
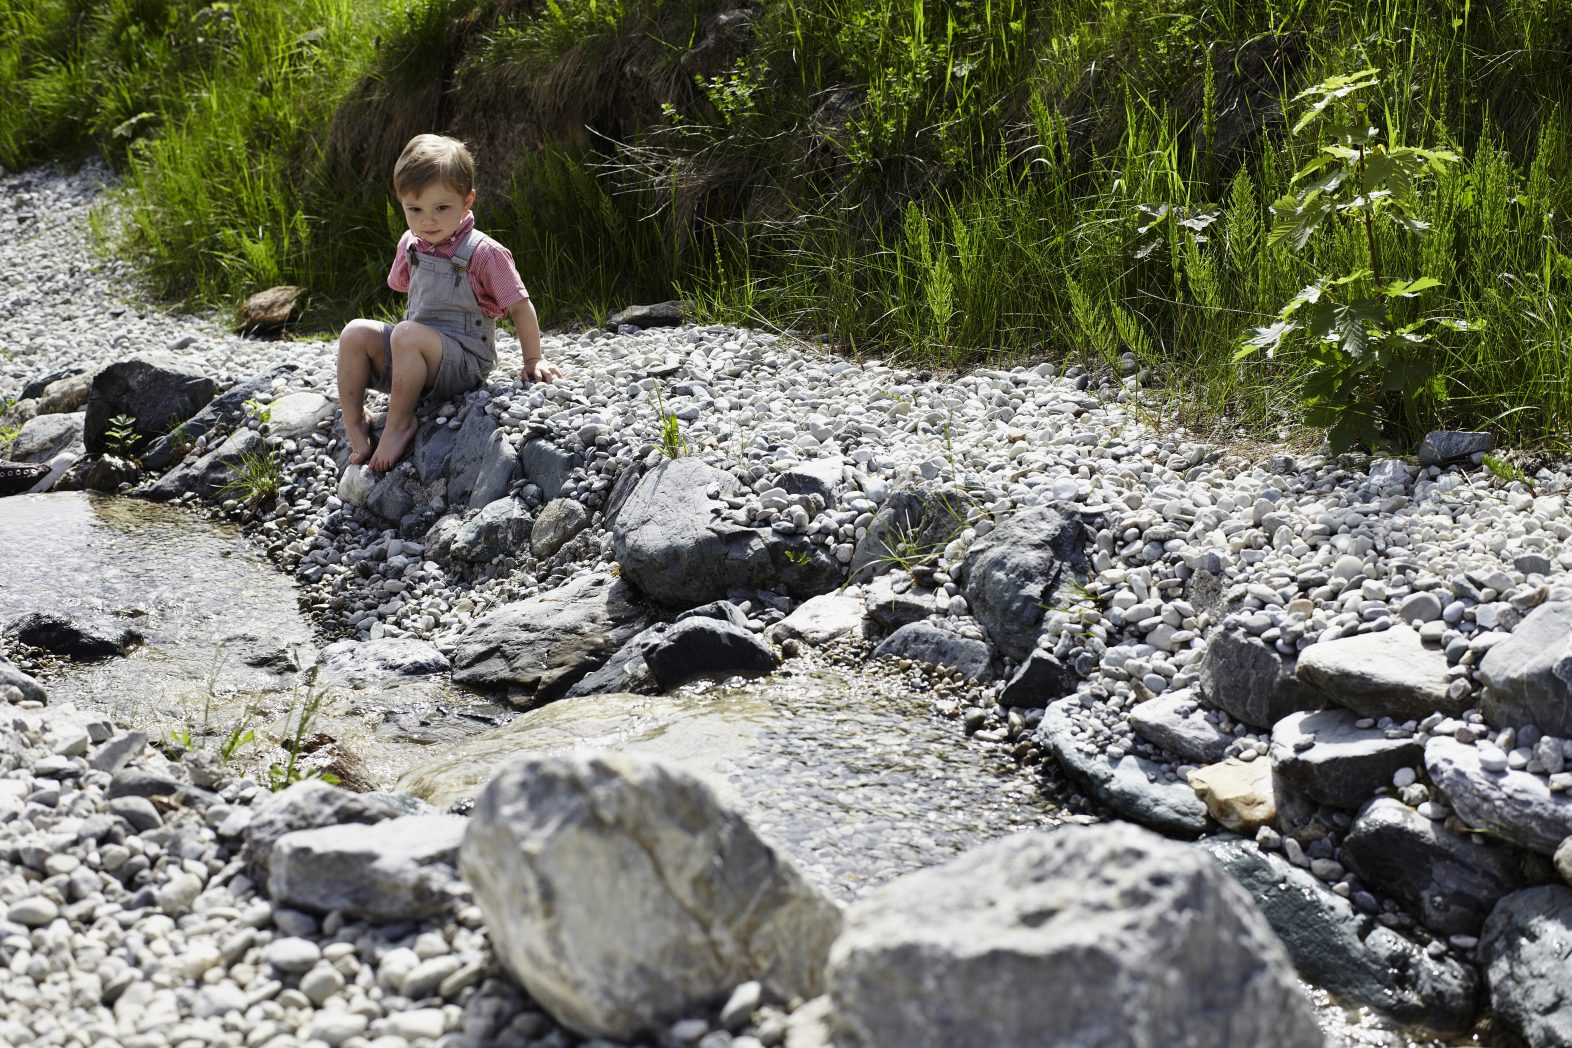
[[540, 370]]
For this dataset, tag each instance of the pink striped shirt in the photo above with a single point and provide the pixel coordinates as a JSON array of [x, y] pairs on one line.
[[491, 270]]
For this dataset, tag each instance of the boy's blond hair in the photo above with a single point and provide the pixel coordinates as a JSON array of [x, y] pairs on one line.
[[428, 159]]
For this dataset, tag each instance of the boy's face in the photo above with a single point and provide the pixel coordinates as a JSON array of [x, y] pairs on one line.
[[434, 213]]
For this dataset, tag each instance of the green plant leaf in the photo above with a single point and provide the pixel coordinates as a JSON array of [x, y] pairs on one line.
[[1269, 338], [1408, 289], [1298, 218], [1332, 90]]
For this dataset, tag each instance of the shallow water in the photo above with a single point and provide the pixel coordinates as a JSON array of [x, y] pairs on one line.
[[223, 637]]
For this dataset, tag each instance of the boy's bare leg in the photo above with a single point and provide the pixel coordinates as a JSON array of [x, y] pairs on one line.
[[417, 354], [359, 359]]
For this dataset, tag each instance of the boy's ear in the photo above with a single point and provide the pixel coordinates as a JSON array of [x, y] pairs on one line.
[[469, 201]]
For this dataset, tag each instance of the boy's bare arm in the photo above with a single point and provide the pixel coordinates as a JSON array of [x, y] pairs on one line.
[[536, 367]]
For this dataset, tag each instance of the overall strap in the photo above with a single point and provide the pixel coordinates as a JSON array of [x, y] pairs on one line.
[[461, 257]]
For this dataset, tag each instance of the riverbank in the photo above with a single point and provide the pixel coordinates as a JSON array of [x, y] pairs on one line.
[[807, 468]]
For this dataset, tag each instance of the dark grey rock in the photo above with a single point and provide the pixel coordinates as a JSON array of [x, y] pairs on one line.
[[1515, 805], [1385, 674], [31, 690], [545, 644], [498, 468], [162, 452], [547, 466], [822, 477], [431, 450], [119, 751], [1133, 787], [1176, 721], [396, 494], [1449, 880], [138, 813], [938, 647], [209, 474], [307, 805], [621, 489], [912, 527], [1348, 953], [1442, 446], [1323, 757], [801, 568], [1142, 940], [470, 442], [1526, 950], [143, 782], [1248, 679], [557, 524], [70, 638], [1041, 679], [396, 869], [158, 392], [626, 670], [383, 661], [1017, 571], [1528, 676], [660, 314], [45, 436], [702, 648], [671, 545], [717, 609], [109, 473], [500, 528], [34, 388]]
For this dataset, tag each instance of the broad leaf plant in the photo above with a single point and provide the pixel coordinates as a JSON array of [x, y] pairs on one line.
[[1370, 376]]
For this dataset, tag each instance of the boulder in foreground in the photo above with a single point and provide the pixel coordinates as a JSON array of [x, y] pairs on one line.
[[1138, 940], [623, 894]]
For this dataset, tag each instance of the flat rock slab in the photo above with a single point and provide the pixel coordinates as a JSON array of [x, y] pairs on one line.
[[1247, 678], [1326, 758], [622, 893], [296, 415], [825, 618], [1516, 805], [395, 870], [1177, 722], [1141, 940], [1452, 881], [1526, 950], [1528, 676], [545, 644], [938, 647], [1132, 786], [1386, 674], [1347, 953], [370, 662], [308, 804]]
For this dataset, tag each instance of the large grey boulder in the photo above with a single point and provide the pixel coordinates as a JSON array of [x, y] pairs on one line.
[[1247, 678], [394, 870], [371, 662], [1516, 805], [1014, 573], [622, 893], [912, 527], [162, 452], [45, 436], [156, 391], [547, 466], [1528, 676], [1450, 880], [468, 453], [1348, 953], [824, 477], [937, 646], [307, 805], [1132, 786], [1140, 941], [546, 643], [893, 601], [1324, 757], [1526, 950], [431, 450], [499, 528], [671, 544], [1441, 446], [1385, 674], [211, 474], [701, 648]]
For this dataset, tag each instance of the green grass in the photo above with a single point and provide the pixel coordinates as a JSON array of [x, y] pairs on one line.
[[949, 183]]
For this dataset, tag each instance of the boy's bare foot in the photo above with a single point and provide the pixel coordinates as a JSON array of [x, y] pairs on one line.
[[395, 439], [359, 434]]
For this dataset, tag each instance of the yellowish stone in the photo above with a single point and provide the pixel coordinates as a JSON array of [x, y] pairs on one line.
[[1237, 793]]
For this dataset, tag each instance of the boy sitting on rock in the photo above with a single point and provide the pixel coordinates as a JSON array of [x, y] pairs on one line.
[[459, 280]]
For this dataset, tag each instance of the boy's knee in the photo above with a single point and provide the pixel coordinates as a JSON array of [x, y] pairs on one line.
[[360, 334], [410, 334]]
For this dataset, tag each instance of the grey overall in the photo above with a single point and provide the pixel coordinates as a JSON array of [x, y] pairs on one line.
[[440, 297]]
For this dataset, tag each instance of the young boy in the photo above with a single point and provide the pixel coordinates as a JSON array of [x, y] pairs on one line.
[[459, 280]]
